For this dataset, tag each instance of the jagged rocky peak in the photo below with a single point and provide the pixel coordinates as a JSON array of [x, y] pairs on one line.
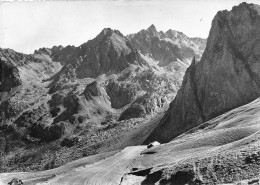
[[168, 47], [109, 32], [151, 30], [108, 37], [109, 52], [175, 34], [226, 77], [46, 51]]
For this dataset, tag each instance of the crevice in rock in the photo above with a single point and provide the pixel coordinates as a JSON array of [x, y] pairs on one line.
[[194, 89]]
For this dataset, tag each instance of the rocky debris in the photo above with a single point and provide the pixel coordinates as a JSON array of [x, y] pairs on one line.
[[134, 111], [49, 133], [169, 46], [226, 77], [27, 118], [182, 177], [69, 141]]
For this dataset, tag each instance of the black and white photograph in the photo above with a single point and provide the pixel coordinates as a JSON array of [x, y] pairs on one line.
[[130, 92]]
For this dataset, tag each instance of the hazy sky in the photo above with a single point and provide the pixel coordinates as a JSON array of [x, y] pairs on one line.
[[26, 26]]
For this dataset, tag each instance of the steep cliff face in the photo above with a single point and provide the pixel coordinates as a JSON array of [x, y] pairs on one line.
[[227, 76], [169, 46], [10, 77]]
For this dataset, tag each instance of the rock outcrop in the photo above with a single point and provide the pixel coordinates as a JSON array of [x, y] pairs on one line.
[[120, 94], [91, 90], [143, 105], [49, 133], [227, 76]]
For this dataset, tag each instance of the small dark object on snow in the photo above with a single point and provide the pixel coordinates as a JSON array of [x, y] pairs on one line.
[[15, 181], [155, 143]]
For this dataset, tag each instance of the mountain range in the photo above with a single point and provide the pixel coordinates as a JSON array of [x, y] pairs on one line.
[[93, 95], [86, 114]]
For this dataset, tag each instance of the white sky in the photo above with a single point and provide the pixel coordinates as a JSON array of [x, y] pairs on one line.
[[26, 26]]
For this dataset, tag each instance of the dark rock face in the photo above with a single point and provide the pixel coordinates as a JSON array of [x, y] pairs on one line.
[[10, 77], [143, 105], [58, 53], [134, 111], [91, 90], [69, 141], [49, 133], [120, 95], [28, 118], [71, 103], [109, 52], [226, 77], [167, 47]]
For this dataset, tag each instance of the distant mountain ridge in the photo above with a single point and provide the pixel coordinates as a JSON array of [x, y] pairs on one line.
[[169, 46]]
